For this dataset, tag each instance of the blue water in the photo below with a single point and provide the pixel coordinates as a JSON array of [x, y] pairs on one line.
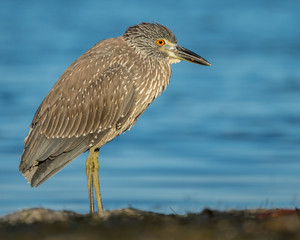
[[225, 136]]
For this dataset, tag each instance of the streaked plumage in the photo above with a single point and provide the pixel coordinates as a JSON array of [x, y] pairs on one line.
[[98, 97]]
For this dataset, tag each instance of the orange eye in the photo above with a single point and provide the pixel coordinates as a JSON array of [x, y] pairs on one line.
[[160, 42]]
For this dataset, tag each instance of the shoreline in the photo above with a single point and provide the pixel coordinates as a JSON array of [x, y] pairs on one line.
[[40, 223]]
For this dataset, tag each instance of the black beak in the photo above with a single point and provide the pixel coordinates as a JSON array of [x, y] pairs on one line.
[[187, 55]]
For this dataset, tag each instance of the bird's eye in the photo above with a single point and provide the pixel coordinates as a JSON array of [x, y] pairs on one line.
[[160, 42]]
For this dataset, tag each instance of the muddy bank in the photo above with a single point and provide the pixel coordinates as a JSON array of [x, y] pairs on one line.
[[135, 224]]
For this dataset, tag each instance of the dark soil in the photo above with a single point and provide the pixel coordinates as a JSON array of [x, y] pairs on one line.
[[130, 224]]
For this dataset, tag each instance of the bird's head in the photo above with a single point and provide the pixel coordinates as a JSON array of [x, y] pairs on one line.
[[157, 41]]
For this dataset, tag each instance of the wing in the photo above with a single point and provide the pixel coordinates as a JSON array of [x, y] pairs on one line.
[[77, 111]]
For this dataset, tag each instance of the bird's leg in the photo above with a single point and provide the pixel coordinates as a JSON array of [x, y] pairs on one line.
[[89, 175], [96, 181], [91, 195], [92, 172]]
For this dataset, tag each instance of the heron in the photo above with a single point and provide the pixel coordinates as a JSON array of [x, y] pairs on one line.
[[98, 97]]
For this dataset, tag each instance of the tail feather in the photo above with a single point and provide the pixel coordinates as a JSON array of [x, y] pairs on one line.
[[49, 167], [43, 157]]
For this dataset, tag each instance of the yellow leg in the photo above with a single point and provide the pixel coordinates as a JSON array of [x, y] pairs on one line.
[[89, 175], [96, 182], [92, 172]]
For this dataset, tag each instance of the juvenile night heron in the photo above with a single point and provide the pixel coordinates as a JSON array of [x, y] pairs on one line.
[[97, 98]]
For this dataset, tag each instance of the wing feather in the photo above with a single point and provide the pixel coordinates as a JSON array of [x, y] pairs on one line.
[[64, 121], [66, 128], [91, 119], [73, 131], [57, 121]]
